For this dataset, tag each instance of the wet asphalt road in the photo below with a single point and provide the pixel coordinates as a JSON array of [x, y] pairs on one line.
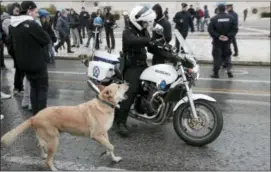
[[244, 143]]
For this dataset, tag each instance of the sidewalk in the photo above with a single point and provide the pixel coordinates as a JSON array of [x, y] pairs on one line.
[[251, 51]]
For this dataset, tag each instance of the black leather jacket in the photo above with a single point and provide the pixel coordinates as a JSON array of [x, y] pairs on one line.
[[134, 43]]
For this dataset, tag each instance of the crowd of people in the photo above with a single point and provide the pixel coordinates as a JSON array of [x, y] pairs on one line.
[[30, 28]]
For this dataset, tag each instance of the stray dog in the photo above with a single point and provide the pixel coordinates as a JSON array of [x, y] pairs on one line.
[[91, 119]]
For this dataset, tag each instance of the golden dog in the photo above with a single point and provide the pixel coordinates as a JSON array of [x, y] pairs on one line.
[[91, 119]]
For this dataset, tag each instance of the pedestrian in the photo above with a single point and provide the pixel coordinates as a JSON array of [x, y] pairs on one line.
[[74, 23], [183, 22], [91, 28], [222, 29], [134, 40], [63, 29], [109, 31], [98, 24], [167, 34], [235, 16], [100, 14], [199, 15], [206, 18], [57, 15], [30, 52], [166, 13], [245, 14], [84, 18], [13, 10], [192, 12], [44, 15]]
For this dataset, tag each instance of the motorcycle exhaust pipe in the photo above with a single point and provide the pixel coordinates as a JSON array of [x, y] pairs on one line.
[[93, 86]]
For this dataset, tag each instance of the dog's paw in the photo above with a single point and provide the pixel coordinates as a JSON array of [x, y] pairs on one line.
[[117, 159], [54, 169], [44, 156]]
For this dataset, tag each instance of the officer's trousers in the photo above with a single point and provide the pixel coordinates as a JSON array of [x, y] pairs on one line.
[[132, 77], [221, 53]]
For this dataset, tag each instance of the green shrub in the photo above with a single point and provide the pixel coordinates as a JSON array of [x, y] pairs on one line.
[[3, 8], [266, 14]]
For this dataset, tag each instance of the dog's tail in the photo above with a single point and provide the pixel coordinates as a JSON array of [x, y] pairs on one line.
[[10, 137]]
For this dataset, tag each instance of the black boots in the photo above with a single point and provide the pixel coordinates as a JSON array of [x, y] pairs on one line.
[[215, 75], [230, 75], [122, 129]]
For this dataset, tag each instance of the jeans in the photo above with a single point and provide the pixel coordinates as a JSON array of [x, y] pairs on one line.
[[75, 37], [110, 33], [205, 22], [27, 89], [64, 39], [51, 52], [199, 23], [2, 55], [39, 90], [18, 79]]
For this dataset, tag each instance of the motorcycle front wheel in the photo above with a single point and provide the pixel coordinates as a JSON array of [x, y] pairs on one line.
[[188, 129]]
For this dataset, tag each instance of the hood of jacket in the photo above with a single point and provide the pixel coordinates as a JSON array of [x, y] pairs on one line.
[[5, 16], [17, 20]]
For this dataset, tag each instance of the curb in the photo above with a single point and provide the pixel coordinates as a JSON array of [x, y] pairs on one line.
[[241, 63]]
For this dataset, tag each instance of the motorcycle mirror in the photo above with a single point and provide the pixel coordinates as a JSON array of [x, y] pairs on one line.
[[158, 29]]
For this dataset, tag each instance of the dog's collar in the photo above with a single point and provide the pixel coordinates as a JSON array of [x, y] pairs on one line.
[[105, 102]]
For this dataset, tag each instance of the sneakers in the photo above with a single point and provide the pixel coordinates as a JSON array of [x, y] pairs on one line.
[[2, 117], [5, 96]]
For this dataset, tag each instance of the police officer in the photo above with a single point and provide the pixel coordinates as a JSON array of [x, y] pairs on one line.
[[235, 16], [134, 40], [183, 22], [222, 29], [167, 34]]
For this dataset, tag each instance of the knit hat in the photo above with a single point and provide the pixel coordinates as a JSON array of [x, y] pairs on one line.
[[26, 5], [184, 5]]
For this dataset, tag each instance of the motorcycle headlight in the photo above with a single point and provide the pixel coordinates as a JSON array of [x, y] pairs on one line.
[[196, 71]]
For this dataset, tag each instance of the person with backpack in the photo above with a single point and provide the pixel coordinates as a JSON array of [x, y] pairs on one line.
[[199, 15]]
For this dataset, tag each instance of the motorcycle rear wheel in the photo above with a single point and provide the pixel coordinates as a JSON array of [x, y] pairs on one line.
[[180, 117]]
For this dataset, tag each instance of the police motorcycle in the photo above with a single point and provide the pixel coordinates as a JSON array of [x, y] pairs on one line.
[[162, 85]]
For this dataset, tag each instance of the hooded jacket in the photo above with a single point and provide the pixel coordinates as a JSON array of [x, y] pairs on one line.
[[62, 26], [28, 42]]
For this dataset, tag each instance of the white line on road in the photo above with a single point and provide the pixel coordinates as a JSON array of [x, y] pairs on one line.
[[232, 93], [203, 79], [250, 102], [257, 30], [61, 165]]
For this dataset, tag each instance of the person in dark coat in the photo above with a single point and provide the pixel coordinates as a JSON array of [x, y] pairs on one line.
[[192, 12], [13, 10], [48, 28], [222, 29], [167, 34], [31, 52], [166, 14], [74, 25], [235, 16], [183, 22], [63, 29], [109, 31], [84, 17]]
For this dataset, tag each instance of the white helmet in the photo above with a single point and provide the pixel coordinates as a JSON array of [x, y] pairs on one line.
[[141, 14]]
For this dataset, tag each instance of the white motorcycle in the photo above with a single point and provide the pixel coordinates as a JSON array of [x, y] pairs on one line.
[[196, 117]]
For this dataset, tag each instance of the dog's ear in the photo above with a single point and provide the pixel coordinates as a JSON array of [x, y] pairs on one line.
[[101, 87], [108, 93]]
